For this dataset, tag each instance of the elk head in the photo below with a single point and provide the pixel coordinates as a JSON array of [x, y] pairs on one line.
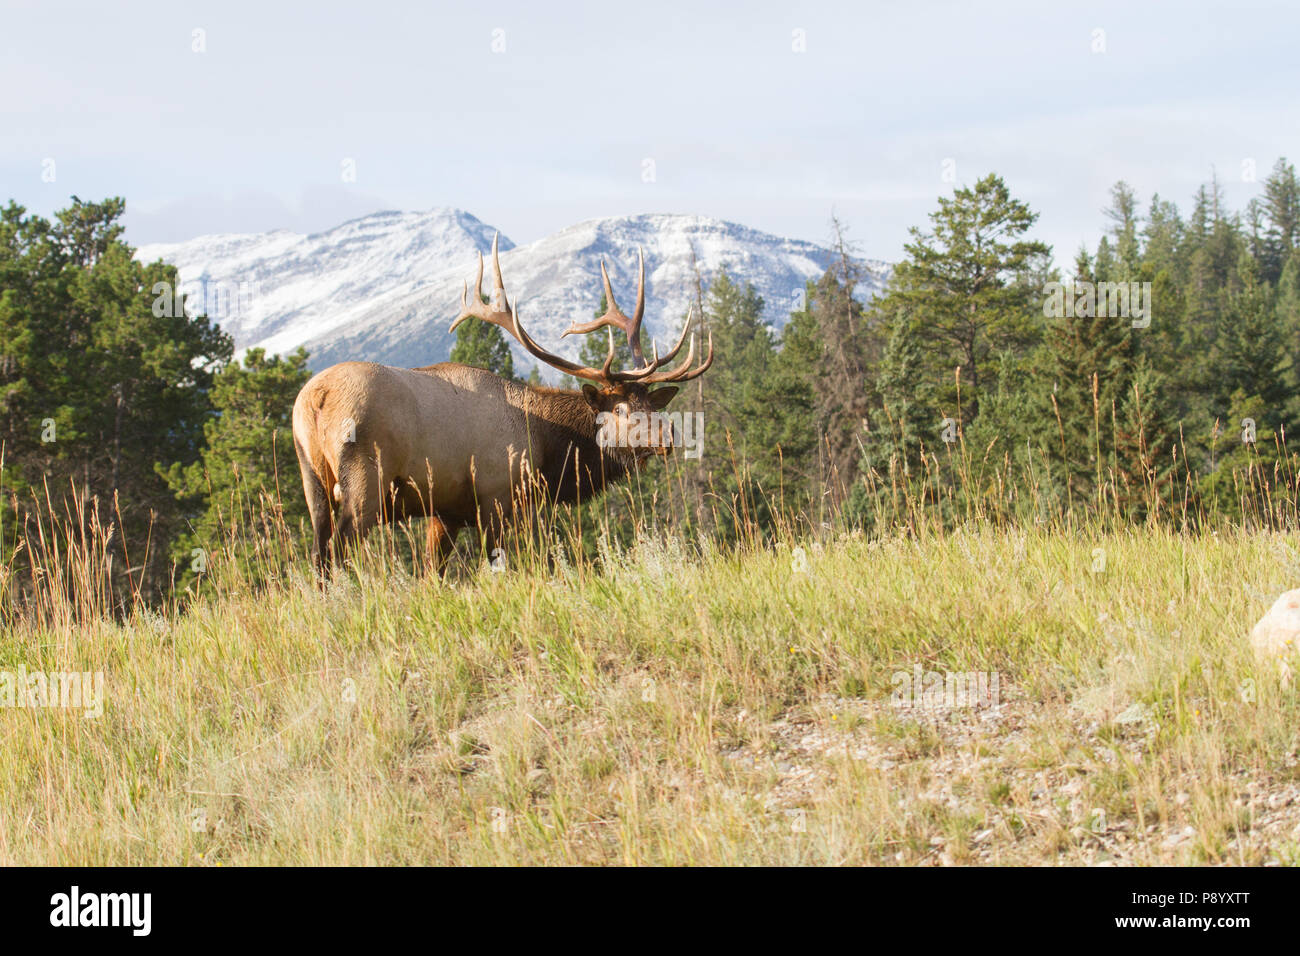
[[625, 404]]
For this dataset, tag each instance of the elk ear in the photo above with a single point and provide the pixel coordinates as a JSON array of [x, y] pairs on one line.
[[592, 394], [662, 396]]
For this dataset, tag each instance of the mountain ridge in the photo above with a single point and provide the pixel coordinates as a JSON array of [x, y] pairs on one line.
[[386, 286]]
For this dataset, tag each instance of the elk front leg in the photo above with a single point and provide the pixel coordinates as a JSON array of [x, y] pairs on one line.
[[360, 504], [321, 510], [440, 541]]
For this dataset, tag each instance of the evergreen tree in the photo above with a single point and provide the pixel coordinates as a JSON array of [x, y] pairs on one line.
[[101, 381], [1281, 212], [1288, 312], [800, 401], [247, 473], [1163, 237], [737, 463], [1143, 463], [1091, 367], [1250, 352], [973, 285], [1123, 216], [906, 421]]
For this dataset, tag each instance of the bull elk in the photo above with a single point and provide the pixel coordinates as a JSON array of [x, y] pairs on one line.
[[459, 445]]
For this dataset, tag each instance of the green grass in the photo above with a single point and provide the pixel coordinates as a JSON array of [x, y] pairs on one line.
[[671, 707]]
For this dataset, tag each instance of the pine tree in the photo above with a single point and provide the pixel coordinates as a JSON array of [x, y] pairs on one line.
[[739, 462], [100, 384], [1091, 362], [247, 473], [1124, 219], [1163, 237], [1144, 434], [1288, 312], [906, 421], [800, 400], [973, 285], [1281, 212], [1250, 352]]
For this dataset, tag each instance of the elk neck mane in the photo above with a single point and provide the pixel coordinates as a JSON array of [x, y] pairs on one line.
[[562, 428]]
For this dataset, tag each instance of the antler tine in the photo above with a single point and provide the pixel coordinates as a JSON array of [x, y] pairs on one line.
[[614, 316], [497, 311], [478, 284], [471, 306], [610, 302], [689, 361], [683, 372], [507, 318], [498, 284], [634, 334], [609, 359], [602, 376], [657, 363]]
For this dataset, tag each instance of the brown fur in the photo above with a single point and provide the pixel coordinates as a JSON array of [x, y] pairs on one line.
[[449, 442]]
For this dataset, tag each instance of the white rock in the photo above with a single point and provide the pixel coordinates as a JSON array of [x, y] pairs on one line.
[[1277, 635]]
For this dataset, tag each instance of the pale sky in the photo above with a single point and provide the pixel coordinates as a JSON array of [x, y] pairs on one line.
[[535, 116]]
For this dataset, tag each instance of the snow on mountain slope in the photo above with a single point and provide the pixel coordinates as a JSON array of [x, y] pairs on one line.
[[279, 290], [386, 287]]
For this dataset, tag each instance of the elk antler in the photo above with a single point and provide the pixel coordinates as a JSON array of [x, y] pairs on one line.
[[507, 317], [476, 307], [683, 372], [614, 316]]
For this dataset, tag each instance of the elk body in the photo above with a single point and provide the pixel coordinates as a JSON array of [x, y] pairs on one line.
[[463, 447]]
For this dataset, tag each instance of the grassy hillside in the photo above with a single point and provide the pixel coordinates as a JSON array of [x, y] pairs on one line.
[[680, 707]]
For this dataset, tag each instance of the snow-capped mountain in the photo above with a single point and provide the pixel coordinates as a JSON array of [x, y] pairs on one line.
[[385, 288]]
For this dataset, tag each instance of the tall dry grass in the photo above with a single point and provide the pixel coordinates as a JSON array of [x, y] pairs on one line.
[[700, 688]]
